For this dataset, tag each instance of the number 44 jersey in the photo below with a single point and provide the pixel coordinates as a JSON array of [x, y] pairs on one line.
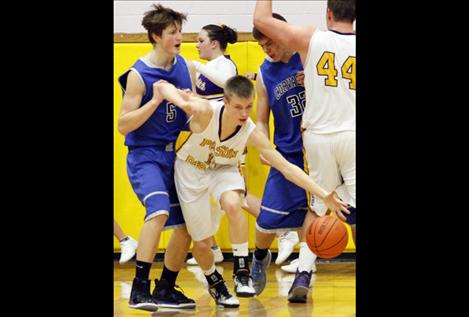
[[330, 83]]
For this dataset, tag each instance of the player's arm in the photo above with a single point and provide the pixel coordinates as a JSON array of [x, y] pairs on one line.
[[262, 112], [296, 37], [131, 115], [293, 173], [192, 72], [189, 103], [219, 76]]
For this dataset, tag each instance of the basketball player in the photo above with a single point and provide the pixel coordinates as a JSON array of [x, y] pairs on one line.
[[150, 126], [207, 164], [284, 204], [328, 121], [211, 78]]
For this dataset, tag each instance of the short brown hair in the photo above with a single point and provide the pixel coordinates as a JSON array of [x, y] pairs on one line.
[[240, 86], [343, 10], [158, 19]]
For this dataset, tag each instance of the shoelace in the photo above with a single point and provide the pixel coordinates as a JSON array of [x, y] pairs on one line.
[[222, 290], [243, 279]]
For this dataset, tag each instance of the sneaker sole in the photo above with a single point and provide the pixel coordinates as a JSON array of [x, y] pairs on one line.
[[298, 295], [180, 306], [145, 306], [228, 305], [245, 294]]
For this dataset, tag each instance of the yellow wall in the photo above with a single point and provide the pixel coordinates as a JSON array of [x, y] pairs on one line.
[[128, 211]]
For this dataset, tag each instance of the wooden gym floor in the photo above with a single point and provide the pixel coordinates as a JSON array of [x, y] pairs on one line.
[[332, 295]]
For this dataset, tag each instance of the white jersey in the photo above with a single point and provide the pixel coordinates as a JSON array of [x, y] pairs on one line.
[[205, 150], [211, 77], [330, 83]]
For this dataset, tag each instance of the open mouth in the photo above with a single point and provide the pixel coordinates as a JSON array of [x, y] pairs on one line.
[[178, 45]]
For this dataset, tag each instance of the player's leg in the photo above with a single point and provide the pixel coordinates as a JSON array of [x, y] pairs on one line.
[[230, 202], [346, 158], [306, 265], [228, 187], [147, 180]]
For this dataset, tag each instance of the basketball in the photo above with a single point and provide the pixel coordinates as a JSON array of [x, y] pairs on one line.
[[327, 237]]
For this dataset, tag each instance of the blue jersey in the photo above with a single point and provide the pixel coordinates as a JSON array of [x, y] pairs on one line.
[[287, 100], [166, 122]]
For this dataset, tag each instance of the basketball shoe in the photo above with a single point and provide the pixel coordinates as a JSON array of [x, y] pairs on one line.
[[258, 272], [243, 284], [222, 296], [128, 247], [293, 266], [166, 296], [140, 297], [300, 287], [286, 243]]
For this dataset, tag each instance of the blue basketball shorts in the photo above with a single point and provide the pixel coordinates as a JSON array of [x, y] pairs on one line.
[[284, 204], [151, 174]]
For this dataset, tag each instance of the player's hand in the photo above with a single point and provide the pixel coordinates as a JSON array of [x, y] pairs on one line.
[[334, 203], [157, 97], [264, 161], [300, 78]]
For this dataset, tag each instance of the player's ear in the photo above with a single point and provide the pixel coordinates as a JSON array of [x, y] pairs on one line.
[[155, 37]]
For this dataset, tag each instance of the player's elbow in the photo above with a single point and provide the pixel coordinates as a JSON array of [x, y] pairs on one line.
[[257, 21], [123, 128]]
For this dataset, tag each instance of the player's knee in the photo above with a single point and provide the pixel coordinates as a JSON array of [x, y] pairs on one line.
[[351, 220], [201, 247], [232, 208], [182, 234], [157, 222]]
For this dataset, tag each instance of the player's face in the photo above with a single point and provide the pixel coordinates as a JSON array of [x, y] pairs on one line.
[[171, 39], [204, 45], [239, 109], [275, 51]]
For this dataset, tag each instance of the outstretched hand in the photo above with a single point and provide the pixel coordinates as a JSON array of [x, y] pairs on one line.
[[336, 205]]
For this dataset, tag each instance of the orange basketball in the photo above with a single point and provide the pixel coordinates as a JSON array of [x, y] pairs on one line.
[[327, 237]]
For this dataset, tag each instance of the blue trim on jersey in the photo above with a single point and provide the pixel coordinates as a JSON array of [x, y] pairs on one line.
[[166, 122], [286, 99]]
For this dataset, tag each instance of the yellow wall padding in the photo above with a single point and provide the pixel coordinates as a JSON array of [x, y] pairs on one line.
[[128, 211]]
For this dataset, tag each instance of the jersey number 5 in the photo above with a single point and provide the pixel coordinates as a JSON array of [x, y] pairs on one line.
[[326, 67], [170, 112]]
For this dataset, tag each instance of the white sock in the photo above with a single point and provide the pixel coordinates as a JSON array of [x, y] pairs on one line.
[[306, 258], [241, 249], [210, 270]]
